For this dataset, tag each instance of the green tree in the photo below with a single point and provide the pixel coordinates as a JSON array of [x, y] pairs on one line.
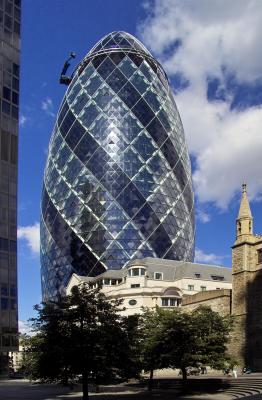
[[151, 341], [82, 334], [179, 339], [195, 338]]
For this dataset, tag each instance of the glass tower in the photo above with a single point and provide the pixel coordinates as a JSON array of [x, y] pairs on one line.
[[9, 92], [117, 182]]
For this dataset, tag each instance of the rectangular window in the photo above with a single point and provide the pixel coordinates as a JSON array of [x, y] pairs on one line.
[[3, 244], [13, 304], [170, 302], [15, 98], [203, 288], [135, 272], [165, 302], [12, 216], [8, 22], [15, 84], [3, 260], [158, 275], [4, 289], [13, 291], [13, 154], [17, 16], [106, 281], [6, 93], [197, 275], [3, 229], [8, 7], [16, 27], [173, 302], [5, 107], [4, 303], [135, 285], [15, 112], [13, 246], [3, 200], [12, 232], [12, 201], [190, 287], [5, 145]]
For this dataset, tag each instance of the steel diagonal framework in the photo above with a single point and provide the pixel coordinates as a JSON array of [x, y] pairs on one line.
[[117, 182]]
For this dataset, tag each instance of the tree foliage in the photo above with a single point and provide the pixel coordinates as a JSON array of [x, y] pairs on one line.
[[82, 334], [179, 339]]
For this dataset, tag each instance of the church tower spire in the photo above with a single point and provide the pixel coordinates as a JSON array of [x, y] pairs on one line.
[[244, 219]]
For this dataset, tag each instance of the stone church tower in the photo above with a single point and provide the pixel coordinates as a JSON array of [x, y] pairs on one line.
[[247, 289]]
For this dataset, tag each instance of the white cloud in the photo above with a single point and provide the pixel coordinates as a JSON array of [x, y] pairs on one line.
[[214, 34], [227, 146], [202, 216], [202, 257], [22, 120], [217, 36], [24, 328], [48, 107], [31, 234]]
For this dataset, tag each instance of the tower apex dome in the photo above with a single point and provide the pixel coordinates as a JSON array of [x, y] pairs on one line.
[[119, 40]]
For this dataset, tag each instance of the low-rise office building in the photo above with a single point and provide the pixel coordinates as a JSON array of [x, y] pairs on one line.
[[152, 282]]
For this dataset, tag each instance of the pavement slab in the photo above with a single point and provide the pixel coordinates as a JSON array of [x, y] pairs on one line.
[[204, 388]]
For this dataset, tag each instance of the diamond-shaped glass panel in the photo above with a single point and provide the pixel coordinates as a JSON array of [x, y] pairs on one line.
[[117, 182]]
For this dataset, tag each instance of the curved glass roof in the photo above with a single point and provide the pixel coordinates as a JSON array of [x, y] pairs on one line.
[[119, 40]]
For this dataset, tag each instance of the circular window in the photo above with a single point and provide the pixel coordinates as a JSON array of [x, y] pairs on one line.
[[132, 302]]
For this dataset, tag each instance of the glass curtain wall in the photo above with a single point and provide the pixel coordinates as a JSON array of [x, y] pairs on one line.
[[9, 93], [117, 182]]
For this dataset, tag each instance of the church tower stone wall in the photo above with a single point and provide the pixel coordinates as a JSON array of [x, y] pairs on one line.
[[246, 289]]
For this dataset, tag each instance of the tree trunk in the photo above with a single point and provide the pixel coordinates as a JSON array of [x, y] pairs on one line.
[[65, 379], [150, 382], [184, 377], [184, 374], [85, 386]]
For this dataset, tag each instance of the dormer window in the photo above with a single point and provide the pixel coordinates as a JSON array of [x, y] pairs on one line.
[[197, 275], [136, 271], [158, 275], [218, 277]]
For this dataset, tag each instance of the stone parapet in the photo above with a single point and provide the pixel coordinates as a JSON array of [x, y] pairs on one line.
[[218, 300]]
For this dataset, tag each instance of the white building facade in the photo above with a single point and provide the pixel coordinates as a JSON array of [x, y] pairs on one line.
[[152, 282]]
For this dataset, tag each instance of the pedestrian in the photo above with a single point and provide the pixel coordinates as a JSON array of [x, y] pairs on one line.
[[234, 372]]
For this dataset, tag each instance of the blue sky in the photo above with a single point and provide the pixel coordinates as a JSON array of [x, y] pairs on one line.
[[212, 56]]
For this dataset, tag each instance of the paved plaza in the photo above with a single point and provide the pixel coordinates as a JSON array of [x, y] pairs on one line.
[[204, 388]]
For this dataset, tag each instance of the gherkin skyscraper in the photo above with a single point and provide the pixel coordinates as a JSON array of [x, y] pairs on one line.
[[117, 182]]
